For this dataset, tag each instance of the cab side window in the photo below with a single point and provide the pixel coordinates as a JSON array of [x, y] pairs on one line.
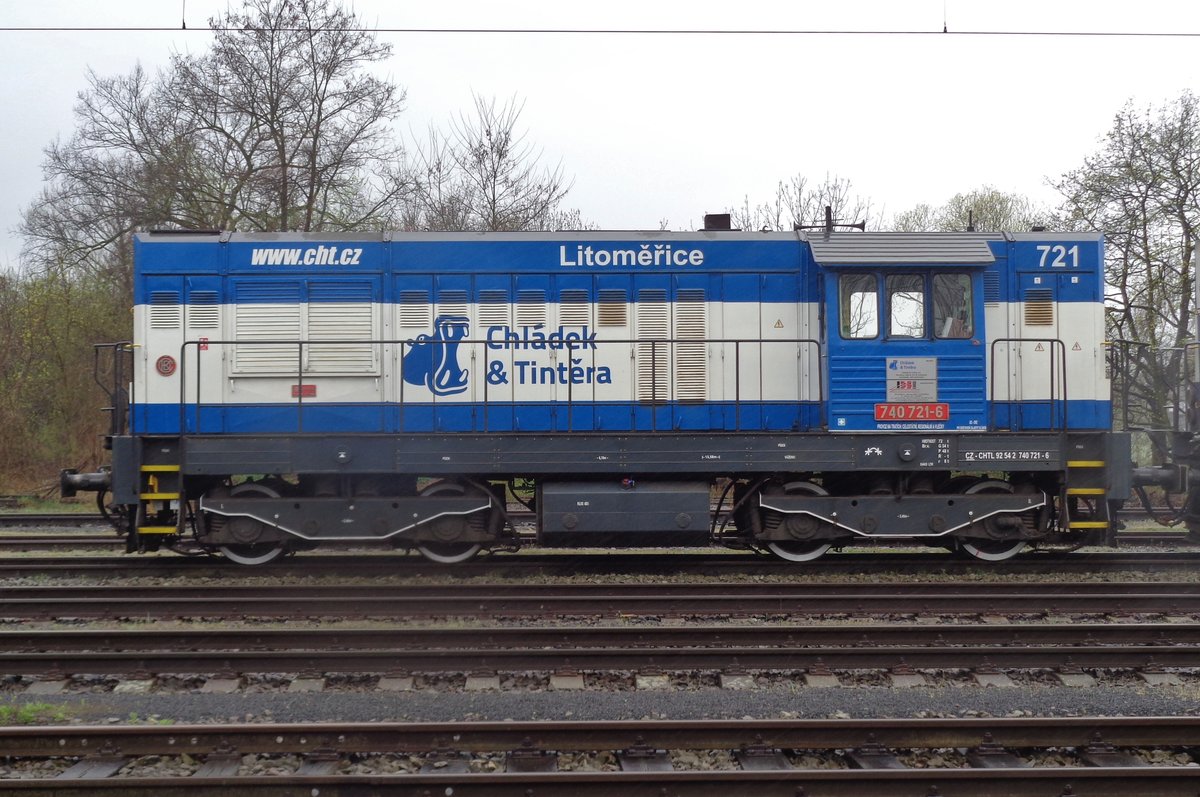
[[858, 305], [906, 305], [952, 316]]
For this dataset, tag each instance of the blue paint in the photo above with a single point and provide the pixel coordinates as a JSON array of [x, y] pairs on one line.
[[312, 417], [432, 360], [771, 271]]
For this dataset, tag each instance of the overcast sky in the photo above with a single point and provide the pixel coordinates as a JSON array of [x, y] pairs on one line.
[[670, 126]]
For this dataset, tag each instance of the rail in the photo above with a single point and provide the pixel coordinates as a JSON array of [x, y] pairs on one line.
[[770, 758], [487, 601]]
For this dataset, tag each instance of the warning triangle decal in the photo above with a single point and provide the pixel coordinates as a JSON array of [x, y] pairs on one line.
[[779, 324]]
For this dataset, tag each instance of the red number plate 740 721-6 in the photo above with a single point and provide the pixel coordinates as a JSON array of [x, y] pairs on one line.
[[912, 412]]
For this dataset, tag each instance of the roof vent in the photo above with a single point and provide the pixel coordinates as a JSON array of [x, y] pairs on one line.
[[717, 221]]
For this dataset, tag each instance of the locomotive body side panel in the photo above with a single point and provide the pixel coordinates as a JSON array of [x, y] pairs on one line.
[[1049, 370], [462, 335]]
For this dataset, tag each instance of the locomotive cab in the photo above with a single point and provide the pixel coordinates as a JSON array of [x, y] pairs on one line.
[[905, 341]]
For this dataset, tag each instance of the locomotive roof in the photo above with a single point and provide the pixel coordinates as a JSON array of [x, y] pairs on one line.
[[870, 248], [839, 246]]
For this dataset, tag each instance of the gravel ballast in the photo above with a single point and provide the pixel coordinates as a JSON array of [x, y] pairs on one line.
[[856, 702]]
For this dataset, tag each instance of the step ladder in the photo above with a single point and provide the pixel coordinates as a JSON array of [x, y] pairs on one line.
[[159, 486], [1085, 504]]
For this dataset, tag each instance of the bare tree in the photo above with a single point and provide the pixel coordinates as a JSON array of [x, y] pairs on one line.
[[799, 202], [440, 199], [1142, 189], [484, 174], [283, 99], [985, 209], [277, 127]]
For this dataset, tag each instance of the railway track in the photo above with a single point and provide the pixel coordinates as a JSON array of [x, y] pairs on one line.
[[491, 601], [60, 543], [714, 563], [1136, 646], [1107, 756], [40, 520]]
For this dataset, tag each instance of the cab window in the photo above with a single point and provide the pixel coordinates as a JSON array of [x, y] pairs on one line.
[[952, 316], [858, 305], [906, 305]]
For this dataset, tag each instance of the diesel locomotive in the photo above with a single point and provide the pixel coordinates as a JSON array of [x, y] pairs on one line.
[[783, 392]]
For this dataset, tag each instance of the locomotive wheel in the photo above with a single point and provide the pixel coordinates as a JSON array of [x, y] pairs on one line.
[[448, 552], [993, 550], [990, 550], [254, 553], [800, 550]]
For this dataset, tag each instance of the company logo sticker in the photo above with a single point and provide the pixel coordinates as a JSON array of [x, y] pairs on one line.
[[432, 360], [165, 365]]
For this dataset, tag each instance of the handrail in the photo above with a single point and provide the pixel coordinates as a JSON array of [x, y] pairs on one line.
[[117, 393], [1164, 372], [195, 350]]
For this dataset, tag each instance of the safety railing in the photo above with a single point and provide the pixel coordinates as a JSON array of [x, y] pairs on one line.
[[112, 366], [1153, 387], [570, 387]]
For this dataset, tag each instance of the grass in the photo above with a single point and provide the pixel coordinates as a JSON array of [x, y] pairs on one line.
[[84, 503], [32, 714]]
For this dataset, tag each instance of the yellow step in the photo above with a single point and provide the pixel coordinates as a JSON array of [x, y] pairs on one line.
[[1086, 463], [1085, 491], [157, 530], [160, 469], [1088, 524], [159, 496]]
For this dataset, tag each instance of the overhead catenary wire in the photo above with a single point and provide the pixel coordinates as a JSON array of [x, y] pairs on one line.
[[610, 31], [616, 31]]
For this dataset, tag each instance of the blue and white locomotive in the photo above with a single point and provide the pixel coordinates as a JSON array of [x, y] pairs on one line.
[[830, 387]]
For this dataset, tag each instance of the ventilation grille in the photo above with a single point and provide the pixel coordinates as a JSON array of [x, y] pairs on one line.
[[283, 292], [1039, 307], [203, 312], [531, 307], [452, 302], [266, 310], [350, 320], [415, 310], [493, 308], [991, 288], [277, 322], [691, 359], [653, 361], [573, 309], [614, 308], [350, 291], [165, 310]]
